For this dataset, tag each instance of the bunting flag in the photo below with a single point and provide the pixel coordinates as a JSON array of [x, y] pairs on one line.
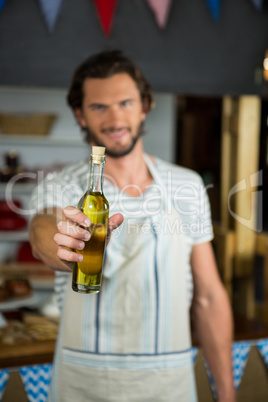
[[2, 3], [262, 346], [214, 6], [210, 377], [4, 376], [240, 352], [194, 354], [258, 4], [161, 10], [36, 381], [50, 10], [105, 9]]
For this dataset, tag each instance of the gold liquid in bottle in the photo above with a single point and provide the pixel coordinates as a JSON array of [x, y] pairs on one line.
[[87, 274]]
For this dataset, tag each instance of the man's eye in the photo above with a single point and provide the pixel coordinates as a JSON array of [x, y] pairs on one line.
[[97, 107], [126, 103]]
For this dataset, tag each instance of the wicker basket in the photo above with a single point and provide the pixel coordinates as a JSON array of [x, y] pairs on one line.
[[26, 124]]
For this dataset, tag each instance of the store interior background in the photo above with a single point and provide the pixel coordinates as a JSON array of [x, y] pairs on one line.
[[194, 62]]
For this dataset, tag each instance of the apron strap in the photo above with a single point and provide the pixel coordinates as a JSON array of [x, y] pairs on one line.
[[157, 177]]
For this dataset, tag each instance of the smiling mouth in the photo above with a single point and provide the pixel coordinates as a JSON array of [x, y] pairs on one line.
[[112, 132]]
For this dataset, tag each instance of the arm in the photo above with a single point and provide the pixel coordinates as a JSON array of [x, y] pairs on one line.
[[42, 230], [212, 319], [54, 233]]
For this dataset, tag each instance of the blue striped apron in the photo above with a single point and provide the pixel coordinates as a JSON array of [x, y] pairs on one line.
[[131, 342]]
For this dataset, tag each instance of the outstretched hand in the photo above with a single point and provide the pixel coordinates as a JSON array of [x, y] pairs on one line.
[[73, 233]]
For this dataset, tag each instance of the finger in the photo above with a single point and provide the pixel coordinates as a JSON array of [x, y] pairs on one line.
[[115, 221], [77, 216], [67, 241], [73, 230], [69, 255]]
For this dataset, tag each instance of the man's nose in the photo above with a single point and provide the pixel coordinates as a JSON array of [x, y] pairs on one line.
[[114, 115]]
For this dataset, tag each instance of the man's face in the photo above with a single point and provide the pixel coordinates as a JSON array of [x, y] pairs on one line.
[[112, 113]]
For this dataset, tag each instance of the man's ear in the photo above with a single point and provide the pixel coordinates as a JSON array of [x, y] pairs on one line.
[[146, 106], [79, 117]]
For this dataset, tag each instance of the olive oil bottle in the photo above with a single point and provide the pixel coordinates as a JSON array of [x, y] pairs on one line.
[[87, 274]]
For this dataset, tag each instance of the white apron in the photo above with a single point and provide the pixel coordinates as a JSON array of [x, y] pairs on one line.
[[131, 342]]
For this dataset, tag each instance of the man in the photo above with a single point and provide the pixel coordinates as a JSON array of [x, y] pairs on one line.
[[131, 342]]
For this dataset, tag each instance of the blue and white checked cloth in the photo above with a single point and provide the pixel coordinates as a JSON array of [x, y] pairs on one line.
[[4, 375], [36, 380]]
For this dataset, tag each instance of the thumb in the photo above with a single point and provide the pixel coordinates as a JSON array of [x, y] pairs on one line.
[[115, 221]]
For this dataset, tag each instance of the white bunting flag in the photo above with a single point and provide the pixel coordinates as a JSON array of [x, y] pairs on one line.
[[258, 4]]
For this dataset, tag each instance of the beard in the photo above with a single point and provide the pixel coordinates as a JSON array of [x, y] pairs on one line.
[[90, 136]]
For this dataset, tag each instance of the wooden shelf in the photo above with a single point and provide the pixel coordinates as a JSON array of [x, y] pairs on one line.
[[38, 274], [40, 140], [19, 188], [7, 236], [20, 355], [29, 268]]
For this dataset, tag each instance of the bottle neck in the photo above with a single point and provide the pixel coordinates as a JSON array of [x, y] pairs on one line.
[[96, 176]]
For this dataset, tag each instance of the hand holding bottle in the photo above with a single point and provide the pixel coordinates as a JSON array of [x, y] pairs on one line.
[[85, 246], [73, 233]]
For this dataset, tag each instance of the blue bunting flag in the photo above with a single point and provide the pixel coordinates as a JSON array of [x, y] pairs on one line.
[[36, 381], [262, 346], [240, 352], [194, 354], [2, 3], [4, 376], [214, 6], [50, 10]]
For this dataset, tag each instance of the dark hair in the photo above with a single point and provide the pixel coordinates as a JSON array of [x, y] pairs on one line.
[[105, 65]]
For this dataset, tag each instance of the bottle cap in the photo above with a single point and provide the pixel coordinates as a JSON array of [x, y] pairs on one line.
[[98, 155], [98, 151]]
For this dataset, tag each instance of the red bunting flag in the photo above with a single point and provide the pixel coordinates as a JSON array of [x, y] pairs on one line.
[[161, 10], [105, 9]]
